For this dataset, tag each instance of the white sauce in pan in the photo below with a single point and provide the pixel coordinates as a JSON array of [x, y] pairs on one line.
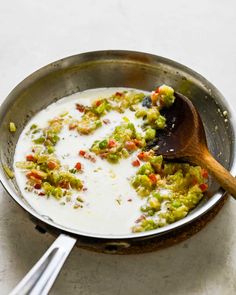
[[111, 205]]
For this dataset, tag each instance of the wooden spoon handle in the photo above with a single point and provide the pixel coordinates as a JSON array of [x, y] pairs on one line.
[[223, 176]]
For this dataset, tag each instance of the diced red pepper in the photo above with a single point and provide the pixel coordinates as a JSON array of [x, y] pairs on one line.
[[30, 158], [98, 102], [137, 142], [157, 90], [203, 187], [153, 178], [29, 174], [41, 194], [130, 146], [78, 166], [111, 143], [82, 153], [35, 174], [194, 181], [118, 94], [87, 156], [37, 186], [64, 184], [154, 97], [136, 163], [34, 177], [72, 126], [52, 165], [143, 156], [204, 173], [80, 107]]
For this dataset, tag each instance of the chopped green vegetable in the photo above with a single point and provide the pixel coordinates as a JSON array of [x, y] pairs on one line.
[[166, 94], [181, 183], [33, 126], [119, 102], [103, 144], [12, 127], [49, 136], [169, 190], [122, 142], [8, 171], [150, 134], [160, 122], [146, 169]]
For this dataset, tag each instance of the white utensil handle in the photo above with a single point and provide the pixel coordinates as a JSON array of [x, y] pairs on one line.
[[39, 280]]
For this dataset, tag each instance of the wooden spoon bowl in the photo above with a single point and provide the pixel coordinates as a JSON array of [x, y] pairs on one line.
[[184, 138]]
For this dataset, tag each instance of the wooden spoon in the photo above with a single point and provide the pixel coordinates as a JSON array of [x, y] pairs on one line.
[[184, 138]]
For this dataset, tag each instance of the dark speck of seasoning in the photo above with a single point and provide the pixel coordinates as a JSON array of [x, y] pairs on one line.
[[106, 121], [118, 201]]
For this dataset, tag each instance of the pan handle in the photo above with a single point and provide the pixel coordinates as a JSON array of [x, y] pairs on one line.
[[39, 280]]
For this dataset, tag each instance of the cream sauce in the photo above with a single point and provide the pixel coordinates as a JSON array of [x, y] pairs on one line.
[[111, 205]]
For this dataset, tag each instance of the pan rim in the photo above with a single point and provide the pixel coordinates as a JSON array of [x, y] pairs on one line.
[[160, 231]]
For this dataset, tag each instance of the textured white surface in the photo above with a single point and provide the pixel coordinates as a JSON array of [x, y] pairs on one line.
[[200, 34]]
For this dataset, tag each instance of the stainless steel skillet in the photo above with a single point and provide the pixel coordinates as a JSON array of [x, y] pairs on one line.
[[107, 69]]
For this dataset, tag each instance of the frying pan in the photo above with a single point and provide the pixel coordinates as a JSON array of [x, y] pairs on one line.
[[112, 68]]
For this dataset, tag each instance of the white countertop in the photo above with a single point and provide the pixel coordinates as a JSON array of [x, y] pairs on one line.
[[200, 34]]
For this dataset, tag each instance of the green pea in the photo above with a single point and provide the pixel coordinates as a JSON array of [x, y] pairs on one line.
[[103, 144]]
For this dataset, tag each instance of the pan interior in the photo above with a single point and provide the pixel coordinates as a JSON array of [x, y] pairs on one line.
[[107, 203], [116, 69]]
